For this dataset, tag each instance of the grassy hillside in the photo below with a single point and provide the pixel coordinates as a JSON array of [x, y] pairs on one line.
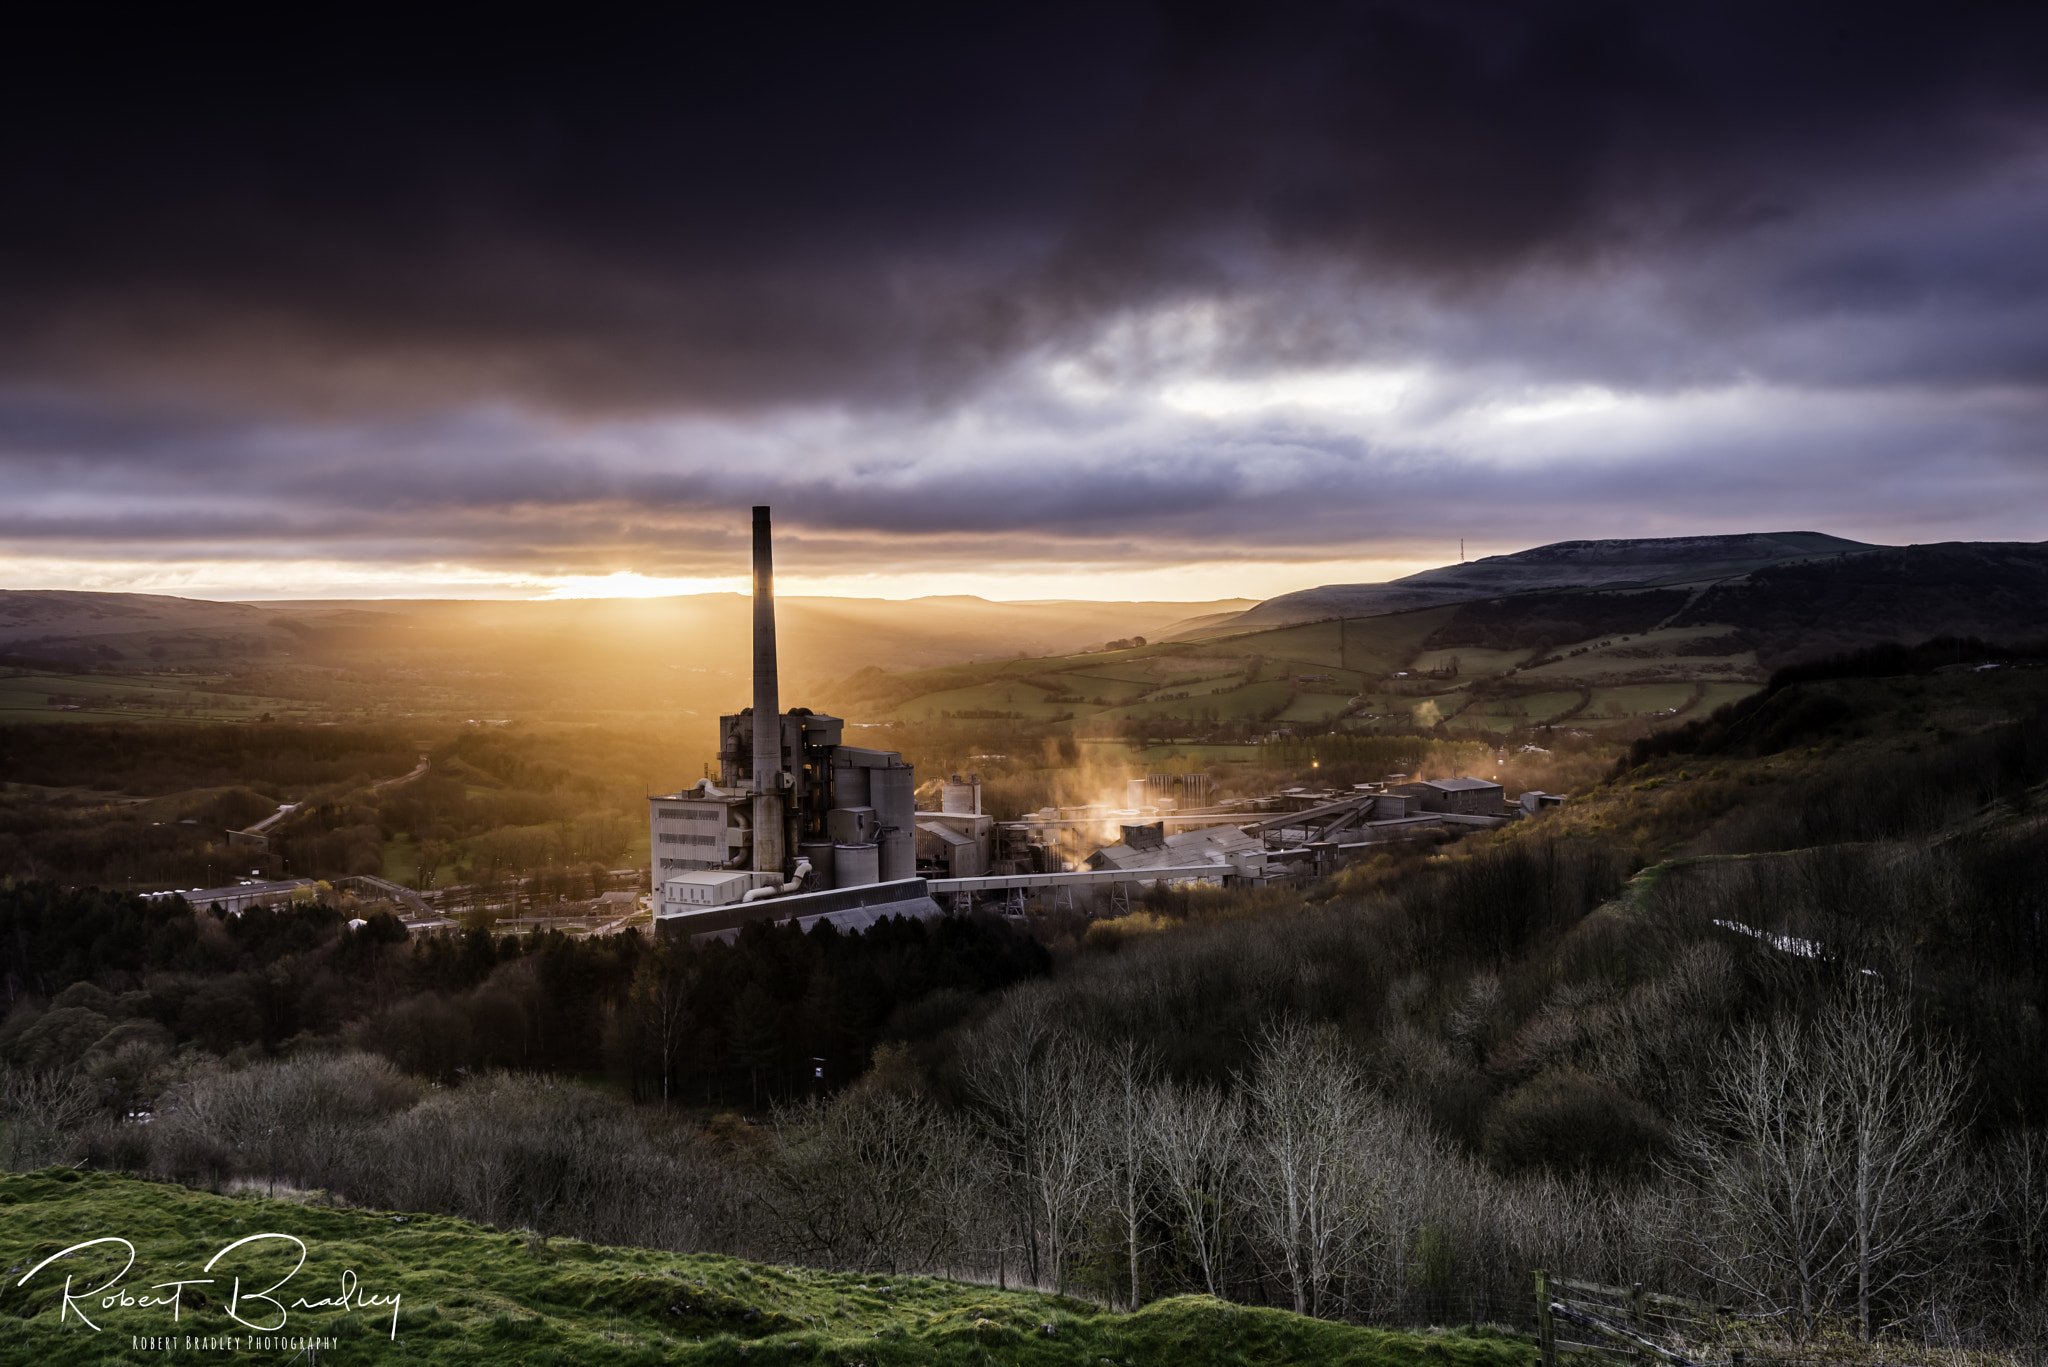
[[1365, 674], [471, 1294]]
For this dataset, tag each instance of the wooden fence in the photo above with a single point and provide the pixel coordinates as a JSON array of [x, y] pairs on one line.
[[1589, 1322]]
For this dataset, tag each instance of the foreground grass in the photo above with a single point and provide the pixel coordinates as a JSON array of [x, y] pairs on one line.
[[470, 1294]]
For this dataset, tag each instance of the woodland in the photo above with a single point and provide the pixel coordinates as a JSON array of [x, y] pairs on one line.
[[1756, 1018]]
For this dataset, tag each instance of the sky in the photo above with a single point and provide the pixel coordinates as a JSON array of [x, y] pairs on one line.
[[1099, 301]]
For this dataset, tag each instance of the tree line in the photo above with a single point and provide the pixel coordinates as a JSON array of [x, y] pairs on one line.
[[777, 1012], [1826, 1180]]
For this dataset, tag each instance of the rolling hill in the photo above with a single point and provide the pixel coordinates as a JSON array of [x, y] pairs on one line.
[[1561, 565], [90, 656], [1603, 636]]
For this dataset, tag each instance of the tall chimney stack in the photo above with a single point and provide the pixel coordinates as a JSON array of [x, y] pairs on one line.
[[768, 837]]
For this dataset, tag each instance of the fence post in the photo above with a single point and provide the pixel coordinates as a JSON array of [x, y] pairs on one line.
[[1546, 1337], [1636, 1305]]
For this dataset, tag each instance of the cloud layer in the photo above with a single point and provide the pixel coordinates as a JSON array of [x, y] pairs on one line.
[[1103, 286]]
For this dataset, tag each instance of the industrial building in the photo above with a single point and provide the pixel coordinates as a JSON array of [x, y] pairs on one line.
[[239, 897], [1148, 846], [1465, 796], [954, 841], [794, 815]]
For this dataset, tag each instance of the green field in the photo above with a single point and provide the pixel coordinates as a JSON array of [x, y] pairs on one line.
[[1637, 700], [1353, 659], [1320, 644], [38, 696], [1618, 655], [471, 1294], [1720, 695], [1125, 667], [401, 860], [1470, 660], [1536, 707], [1251, 700], [1316, 707], [1001, 695], [1379, 646], [1093, 684]]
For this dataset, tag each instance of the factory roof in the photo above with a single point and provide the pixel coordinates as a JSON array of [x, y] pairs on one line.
[[1457, 785], [702, 878], [1211, 845]]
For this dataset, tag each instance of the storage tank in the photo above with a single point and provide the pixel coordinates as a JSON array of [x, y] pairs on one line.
[[899, 856], [819, 852], [849, 786], [893, 793], [856, 866]]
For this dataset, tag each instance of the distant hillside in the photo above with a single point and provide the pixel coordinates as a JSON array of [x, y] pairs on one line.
[[1614, 637], [63, 620], [597, 658], [55, 624], [1994, 590], [1561, 565]]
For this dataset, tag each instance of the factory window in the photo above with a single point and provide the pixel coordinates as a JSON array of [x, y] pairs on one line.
[[687, 814], [672, 838]]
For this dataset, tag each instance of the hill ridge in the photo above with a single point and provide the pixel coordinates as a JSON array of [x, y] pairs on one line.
[[1585, 563]]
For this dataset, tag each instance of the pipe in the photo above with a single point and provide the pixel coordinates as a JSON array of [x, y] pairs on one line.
[[704, 787], [745, 852], [796, 881]]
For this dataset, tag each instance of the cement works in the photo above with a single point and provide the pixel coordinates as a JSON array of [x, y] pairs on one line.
[[802, 826]]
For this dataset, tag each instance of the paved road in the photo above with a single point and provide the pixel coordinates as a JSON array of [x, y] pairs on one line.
[[417, 770]]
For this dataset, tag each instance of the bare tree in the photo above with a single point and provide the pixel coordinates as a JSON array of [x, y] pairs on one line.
[[1830, 1156], [1905, 1115], [1003, 1070], [1311, 1195], [1766, 1157], [1196, 1141], [661, 996], [41, 1116], [851, 1182], [1123, 1112], [1036, 1095], [2019, 1181], [1066, 1167]]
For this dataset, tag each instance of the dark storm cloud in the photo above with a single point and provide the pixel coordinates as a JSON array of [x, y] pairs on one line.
[[957, 287], [504, 493], [888, 206]]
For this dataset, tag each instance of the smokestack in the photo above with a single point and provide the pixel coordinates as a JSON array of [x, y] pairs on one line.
[[767, 706], [768, 840]]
